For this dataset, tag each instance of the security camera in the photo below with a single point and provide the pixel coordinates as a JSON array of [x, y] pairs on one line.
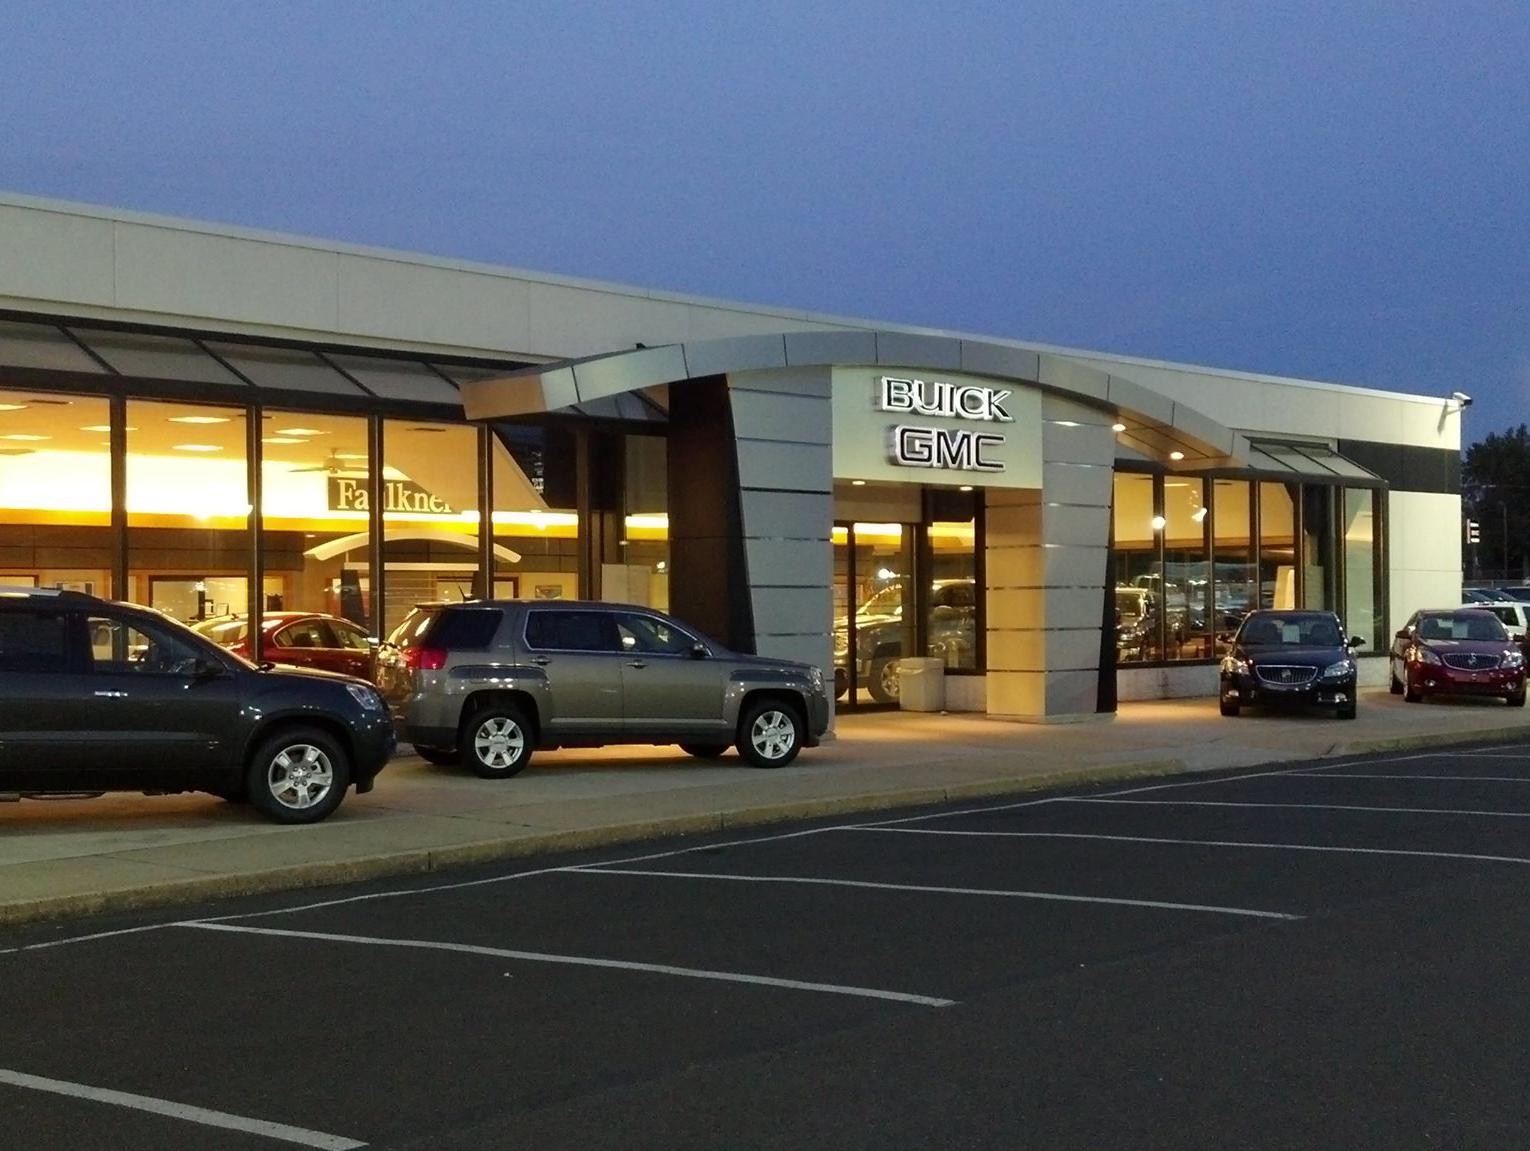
[[1461, 398]]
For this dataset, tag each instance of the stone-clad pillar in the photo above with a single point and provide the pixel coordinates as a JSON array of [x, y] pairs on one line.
[[1046, 557]]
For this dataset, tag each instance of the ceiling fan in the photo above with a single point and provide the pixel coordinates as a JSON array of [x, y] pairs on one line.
[[339, 463]]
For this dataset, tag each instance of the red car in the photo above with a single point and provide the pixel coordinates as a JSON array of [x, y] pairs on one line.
[[1464, 652], [303, 639]]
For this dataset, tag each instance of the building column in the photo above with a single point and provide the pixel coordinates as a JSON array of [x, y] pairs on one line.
[[1047, 555]]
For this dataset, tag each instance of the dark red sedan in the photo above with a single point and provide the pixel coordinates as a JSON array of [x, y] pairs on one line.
[[1464, 652], [301, 639]]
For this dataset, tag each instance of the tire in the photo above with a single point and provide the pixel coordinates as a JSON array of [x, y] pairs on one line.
[[1346, 712], [1395, 687], [496, 741], [1515, 700], [882, 681], [298, 775], [770, 734], [439, 756], [1228, 706], [1411, 696], [704, 750]]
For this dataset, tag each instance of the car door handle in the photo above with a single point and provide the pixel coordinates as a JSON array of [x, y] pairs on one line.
[[540, 660], [111, 695], [637, 663]]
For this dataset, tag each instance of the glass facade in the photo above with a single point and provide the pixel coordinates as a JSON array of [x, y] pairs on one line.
[[1192, 556]]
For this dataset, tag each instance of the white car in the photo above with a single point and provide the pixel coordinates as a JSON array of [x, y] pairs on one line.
[[1514, 614]]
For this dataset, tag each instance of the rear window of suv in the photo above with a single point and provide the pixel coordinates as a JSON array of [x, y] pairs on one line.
[[463, 629]]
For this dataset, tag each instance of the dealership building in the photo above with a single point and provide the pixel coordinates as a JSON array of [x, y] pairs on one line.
[[218, 421]]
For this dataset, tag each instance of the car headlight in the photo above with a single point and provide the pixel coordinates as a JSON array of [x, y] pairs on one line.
[[1233, 666], [366, 696], [1512, 658], [1340, 670], [815, 677], [1424, 655]]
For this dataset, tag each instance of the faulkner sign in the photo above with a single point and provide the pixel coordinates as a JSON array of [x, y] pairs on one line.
[[960, 448], [350, 495]]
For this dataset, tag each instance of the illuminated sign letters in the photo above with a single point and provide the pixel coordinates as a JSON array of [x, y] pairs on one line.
[[915, 447], [959, 449]]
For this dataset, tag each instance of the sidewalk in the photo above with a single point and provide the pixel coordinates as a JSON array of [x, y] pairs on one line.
[[63, 858]]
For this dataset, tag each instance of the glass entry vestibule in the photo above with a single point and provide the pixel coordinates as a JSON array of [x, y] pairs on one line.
[[905, 587]]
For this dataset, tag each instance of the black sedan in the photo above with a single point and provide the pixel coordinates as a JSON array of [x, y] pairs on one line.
[[1290, 658]]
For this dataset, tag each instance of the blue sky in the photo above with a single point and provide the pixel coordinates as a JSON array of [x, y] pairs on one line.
[[1336, 190]]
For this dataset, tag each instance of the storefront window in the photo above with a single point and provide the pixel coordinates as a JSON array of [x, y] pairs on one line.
[[1138, 574], [1319, 571], [951, 620], [316, 539], [1236, 579], [642, 575], [1186, 570], [1360, 566], [55, 492], [188, 509], [536, 526], [1277, 545], [430, 515]]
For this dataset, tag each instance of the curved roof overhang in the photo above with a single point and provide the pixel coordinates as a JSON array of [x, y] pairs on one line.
[[1156, 426]]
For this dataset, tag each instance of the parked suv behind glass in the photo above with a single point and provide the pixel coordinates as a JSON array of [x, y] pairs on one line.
[[102, 696], [489, 681]]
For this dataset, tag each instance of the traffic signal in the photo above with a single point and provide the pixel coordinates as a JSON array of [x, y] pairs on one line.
[[1473, 532]]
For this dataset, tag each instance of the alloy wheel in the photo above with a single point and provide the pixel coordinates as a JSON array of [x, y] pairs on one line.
[[499, 742], [300, 776], [773, 734]]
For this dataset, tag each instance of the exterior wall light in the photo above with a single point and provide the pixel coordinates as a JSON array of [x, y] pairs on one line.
[[1118, 427], [1176, 455], [1159, 523]]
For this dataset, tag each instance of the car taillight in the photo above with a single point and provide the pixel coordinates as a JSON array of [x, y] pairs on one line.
[[425, 658]]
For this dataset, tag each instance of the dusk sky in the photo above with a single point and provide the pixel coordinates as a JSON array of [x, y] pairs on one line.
[[1336, 190]]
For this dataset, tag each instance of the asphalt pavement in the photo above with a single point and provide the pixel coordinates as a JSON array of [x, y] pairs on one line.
[[61, 858], [1320, 953]]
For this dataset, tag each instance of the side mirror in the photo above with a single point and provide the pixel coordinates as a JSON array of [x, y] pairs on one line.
[[373, 641], [206, 669], [1354, 642], [699, 651], [1404, 634]]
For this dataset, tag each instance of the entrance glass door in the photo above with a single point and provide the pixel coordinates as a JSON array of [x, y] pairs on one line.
[[874, 611]]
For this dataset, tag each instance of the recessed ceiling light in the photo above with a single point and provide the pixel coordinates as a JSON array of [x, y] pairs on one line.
[[25, 438], [200, 419], [11, 407], [105, 428], [283, 440], [1118, 427], [299, 432], [197, 448], [858, 483], [1176, 455], [965, 488]]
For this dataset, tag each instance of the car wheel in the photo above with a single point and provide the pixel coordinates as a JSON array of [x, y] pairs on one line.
[[704, 750], [1412, 696], [298, 775], [441, 756], [769, 734], [1517, 700], [883, 680], [1229, 706], [497, 742], [1396, 686], [1347, 711]]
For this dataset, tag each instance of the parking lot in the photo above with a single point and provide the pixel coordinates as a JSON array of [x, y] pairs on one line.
[[1323, 954]]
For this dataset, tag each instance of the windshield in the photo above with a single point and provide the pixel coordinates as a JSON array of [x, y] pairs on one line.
[[1291, 631], [1472, 625]]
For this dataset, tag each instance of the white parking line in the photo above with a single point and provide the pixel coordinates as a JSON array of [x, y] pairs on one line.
[[586, 961], [1306, 807], [931, 890], [1425, 778], [1201, 843], [199, 1115]]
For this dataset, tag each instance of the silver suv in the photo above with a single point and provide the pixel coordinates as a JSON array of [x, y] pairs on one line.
[[485, 682]]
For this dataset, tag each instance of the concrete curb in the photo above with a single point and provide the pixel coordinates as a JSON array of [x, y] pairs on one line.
[[426, 861]]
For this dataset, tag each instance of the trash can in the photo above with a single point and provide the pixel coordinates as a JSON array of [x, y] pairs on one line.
[[921, 684]]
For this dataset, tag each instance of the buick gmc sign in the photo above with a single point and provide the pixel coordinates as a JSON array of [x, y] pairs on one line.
[[957, 449]]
